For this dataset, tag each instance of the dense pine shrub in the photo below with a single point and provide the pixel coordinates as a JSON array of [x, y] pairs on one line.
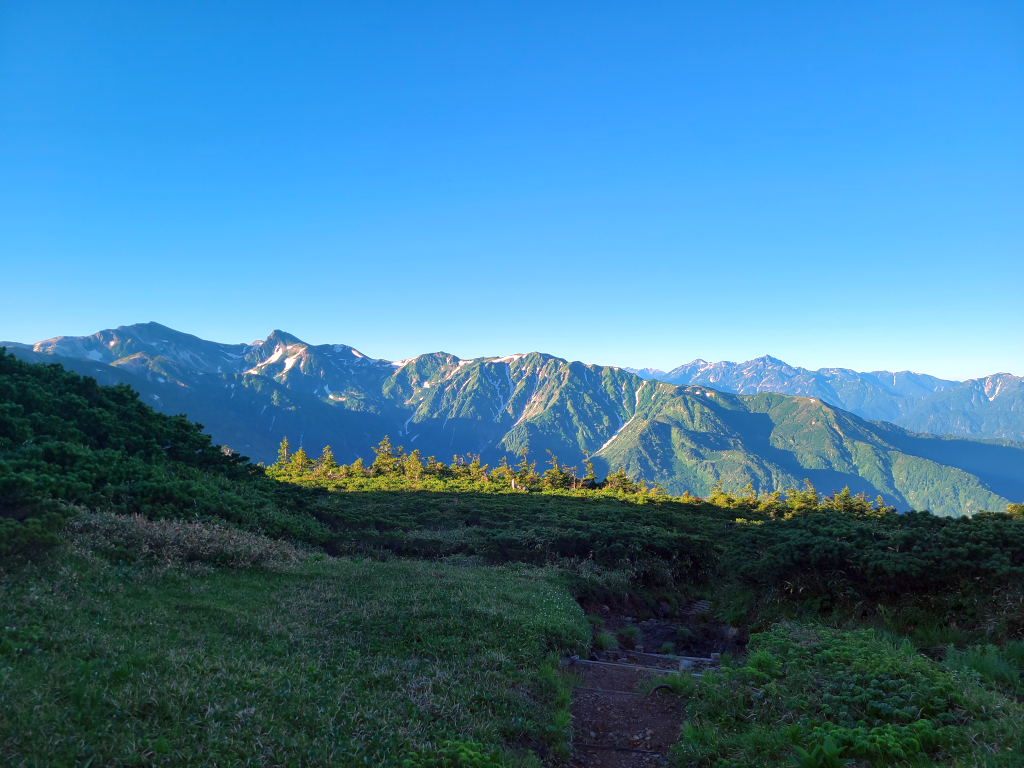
[[65, 440]]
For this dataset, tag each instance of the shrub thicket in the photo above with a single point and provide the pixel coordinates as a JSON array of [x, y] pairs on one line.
[[840, 695], [66, 440]]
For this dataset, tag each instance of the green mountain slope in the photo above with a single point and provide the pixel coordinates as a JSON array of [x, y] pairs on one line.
[[687, 438]]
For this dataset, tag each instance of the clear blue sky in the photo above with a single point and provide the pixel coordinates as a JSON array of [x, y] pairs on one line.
[[634, 184]]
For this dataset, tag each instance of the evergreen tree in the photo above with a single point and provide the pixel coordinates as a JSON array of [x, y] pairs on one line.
[[620, 481], [300, 463], [477, 471], [588, 465], [384, 462], [589, 478], [282, 453], [413, 466], [326, 463], [803, 501], [526, 472], [720, 497], [557, 476], [750, 496]]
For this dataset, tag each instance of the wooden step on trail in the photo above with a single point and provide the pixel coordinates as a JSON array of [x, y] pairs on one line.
[[659, 670], [700, 606], [616, 727]]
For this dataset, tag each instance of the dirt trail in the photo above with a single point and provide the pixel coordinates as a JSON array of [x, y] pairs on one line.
[[614, 726]]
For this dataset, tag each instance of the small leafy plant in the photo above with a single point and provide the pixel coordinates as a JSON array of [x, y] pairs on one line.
[[825, 755], [455, 754], [630, 636], [605, 641], [680, 684]]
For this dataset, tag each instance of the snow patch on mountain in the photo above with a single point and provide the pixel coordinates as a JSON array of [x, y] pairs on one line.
[[636, 410]]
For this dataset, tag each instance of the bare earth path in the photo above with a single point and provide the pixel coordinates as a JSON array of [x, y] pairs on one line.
[[614, 727]]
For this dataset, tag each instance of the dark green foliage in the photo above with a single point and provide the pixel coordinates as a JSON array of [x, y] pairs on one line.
[[824, 697], [64, 440], [827, 554], [455, 754], [1001, 668], [30, 536], [822, 552]]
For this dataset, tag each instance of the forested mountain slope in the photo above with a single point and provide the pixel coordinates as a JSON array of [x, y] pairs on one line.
[[686, 438], [990, 407]]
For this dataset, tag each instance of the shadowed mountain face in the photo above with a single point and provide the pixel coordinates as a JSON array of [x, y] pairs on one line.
[[992, 407], [686, 438]]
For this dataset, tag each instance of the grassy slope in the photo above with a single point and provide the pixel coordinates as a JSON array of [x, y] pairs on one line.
[[327, 663]]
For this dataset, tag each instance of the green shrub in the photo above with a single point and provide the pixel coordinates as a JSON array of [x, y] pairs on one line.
[[682, 685], [63, 437], [31, 537], [595, 621], [630, 634], [850, 695], [825, 755], [605, 642], [1014, 651], [667, 648], [1000, 668], [455, 754]]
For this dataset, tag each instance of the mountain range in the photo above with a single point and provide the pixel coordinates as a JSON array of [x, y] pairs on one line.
[[989, 407], [686, 436]]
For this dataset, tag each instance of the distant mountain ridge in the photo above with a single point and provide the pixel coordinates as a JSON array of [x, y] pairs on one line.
[[990, 407], [685, 437]]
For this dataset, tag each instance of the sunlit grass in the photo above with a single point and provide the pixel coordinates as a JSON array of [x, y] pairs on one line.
[[327, 663]]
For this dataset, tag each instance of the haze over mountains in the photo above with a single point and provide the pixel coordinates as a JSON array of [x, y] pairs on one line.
[[712, 422], [992, 406]]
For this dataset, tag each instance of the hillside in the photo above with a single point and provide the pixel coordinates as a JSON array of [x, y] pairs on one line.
[[687, 438], [989, 407], [169, 603]]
